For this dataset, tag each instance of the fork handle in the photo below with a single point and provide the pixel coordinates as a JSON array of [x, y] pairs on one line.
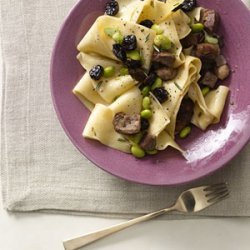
[[84, 240]]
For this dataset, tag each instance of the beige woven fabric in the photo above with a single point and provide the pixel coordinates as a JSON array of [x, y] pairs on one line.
[[40, 168]]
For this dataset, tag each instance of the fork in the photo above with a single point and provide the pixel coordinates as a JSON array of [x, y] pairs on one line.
[[192, 200]]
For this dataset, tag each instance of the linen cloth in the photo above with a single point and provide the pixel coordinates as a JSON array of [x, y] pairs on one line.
[[40, 168]]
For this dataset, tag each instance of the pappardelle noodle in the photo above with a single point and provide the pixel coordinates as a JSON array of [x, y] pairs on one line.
[[153, 70]]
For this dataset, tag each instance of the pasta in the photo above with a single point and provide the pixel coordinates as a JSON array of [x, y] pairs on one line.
[[148, 76]]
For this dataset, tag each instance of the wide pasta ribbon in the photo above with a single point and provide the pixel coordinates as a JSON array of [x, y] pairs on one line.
[[98, 42], [100, 123]]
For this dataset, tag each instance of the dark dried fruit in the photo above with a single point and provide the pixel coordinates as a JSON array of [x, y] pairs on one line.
[[147, 23], [208, 64], [112, 8], [184, 115], [144, 124], [96, 72], [186, 6], [138, 74], [161, 94], [129, 42], [150, 79], [130, 63], [192, 39], [119, 52]]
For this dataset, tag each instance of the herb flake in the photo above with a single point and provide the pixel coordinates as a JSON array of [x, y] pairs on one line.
[[121, 140], [98, 85], [147, 38], [156, 48], [177, 86]]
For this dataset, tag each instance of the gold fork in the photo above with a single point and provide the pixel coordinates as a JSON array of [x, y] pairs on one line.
[[192, 200]]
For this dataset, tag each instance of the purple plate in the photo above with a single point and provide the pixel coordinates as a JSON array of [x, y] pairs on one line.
[[206, 151]]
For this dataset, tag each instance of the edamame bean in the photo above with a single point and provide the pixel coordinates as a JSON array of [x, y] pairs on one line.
[[152, 152], [145, 91], [109, 71], [146, 102], [134, 55], [118, 37], [157, 83], [124, 71], [163, 42], [197, 27], [205, 91], [110, 31], [146, 113], [185, 132], [137, 151], [157, 29], [211, 39], [136, 138]]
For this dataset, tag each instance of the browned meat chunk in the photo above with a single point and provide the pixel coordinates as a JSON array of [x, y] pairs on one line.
[[138, 74], [192, 39], [148, 142], [210, 19], [220, 60], [207, 50], [127, 124], [185, 114], [209, 79], [222, 72], [163, 57], [166, 73]]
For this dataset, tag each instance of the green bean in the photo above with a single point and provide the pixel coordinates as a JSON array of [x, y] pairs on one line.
[[118, 37], [146, 113], [185, 132], [157, 29], [145, 91], [134, 55], [157, 83], [124, 71], [205, 91], [163, 42], [146, 102], [137, 151], [197, 27], [109, 71]]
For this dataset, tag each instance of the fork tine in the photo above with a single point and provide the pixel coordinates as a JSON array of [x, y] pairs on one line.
[[216, 192], [215, 186], [219, 197]]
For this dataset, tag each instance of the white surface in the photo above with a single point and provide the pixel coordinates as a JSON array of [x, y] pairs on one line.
[[36, 231]]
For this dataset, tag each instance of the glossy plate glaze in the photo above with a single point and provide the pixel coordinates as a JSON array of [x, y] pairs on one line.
[[207, 151]]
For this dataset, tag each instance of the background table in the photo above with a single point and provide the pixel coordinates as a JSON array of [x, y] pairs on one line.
[[40, 231]]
